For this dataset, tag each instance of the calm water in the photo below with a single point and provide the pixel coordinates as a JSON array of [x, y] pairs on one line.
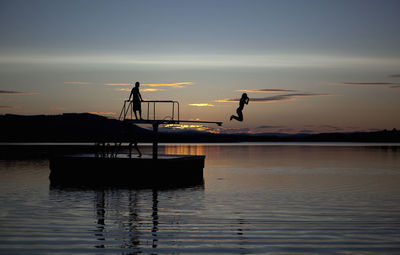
[[256, 199]]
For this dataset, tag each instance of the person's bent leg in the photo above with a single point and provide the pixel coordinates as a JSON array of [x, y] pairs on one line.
[[234, 117], [240, 114]]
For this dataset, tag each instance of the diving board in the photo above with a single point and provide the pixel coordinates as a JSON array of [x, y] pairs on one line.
[[127, 115]]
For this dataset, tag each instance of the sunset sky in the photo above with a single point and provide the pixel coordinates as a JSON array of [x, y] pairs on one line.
[[307, 66]]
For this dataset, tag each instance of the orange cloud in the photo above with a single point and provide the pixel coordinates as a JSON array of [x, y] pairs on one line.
[[143, 90], [187, 126], [265, 90], [202, 105], [123, 89], [152, 90], [78, 83], [227, 100], [173, 84]]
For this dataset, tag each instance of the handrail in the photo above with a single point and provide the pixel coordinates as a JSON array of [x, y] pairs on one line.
[[127, 109]]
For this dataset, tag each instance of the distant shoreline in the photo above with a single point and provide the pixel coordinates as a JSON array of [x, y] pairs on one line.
[[90, 128], [124, 144]]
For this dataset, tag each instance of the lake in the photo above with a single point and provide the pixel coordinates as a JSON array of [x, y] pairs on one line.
[[256, 199]]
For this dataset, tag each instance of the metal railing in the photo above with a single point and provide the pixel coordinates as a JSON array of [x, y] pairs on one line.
[[127, 109]]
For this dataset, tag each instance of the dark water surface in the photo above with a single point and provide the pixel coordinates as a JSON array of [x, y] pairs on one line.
[[256, 199]]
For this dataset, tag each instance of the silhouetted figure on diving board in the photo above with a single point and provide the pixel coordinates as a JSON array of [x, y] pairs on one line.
[[134, 143], [133, 140], [136, 100], [243, 100]]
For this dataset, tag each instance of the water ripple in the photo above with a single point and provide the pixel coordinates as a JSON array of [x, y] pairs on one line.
[[294, 204]]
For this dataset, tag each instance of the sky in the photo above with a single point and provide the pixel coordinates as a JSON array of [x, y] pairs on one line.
[[307, 66]]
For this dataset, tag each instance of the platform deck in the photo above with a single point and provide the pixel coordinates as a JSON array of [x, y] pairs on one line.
[[166, 170]]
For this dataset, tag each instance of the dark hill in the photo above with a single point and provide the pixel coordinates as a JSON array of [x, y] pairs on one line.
[[85, 127], [68, 127]]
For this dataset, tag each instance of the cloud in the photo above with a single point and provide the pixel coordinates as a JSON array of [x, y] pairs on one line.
[[196, 61], [266, 90], [367, 83], [198, 127], [306, 131], [78, 83], [269, 127], [202, 105], [11, 92], [286, 130], [395, 75], [372, 84], [222, 130], [287, 97], [102, 113], [173, 84], [170, 84], [7, 107], [55, 108], [331, 127], [277, 98], [152, 90], [118, 84], [227, 100], [143, 90], [123, 89]]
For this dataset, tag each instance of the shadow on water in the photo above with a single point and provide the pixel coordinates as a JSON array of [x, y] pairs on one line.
[[137, 213]]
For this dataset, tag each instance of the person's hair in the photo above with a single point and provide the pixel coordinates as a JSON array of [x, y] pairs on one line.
[[137, 84], [244, 95]]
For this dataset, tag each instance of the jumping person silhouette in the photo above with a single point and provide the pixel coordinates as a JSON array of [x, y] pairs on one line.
[[136, 100], [243, 100]]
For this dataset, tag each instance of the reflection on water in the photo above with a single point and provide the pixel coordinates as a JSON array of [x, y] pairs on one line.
[[131, 227], [121, 220], [256, 199], [190, 149], [100, 215]]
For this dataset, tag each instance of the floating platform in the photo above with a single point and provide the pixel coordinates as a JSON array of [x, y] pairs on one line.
[[121, 170]]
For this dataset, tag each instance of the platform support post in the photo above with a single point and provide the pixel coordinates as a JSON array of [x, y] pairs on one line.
[[155, 140]]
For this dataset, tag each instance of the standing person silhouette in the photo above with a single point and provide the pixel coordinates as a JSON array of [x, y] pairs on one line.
[[136, 100], [133, 140], [243, 100]]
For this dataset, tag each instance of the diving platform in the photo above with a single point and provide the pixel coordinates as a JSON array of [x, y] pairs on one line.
[[114, 168], [169, 122], [122, 170], [127, 115]]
